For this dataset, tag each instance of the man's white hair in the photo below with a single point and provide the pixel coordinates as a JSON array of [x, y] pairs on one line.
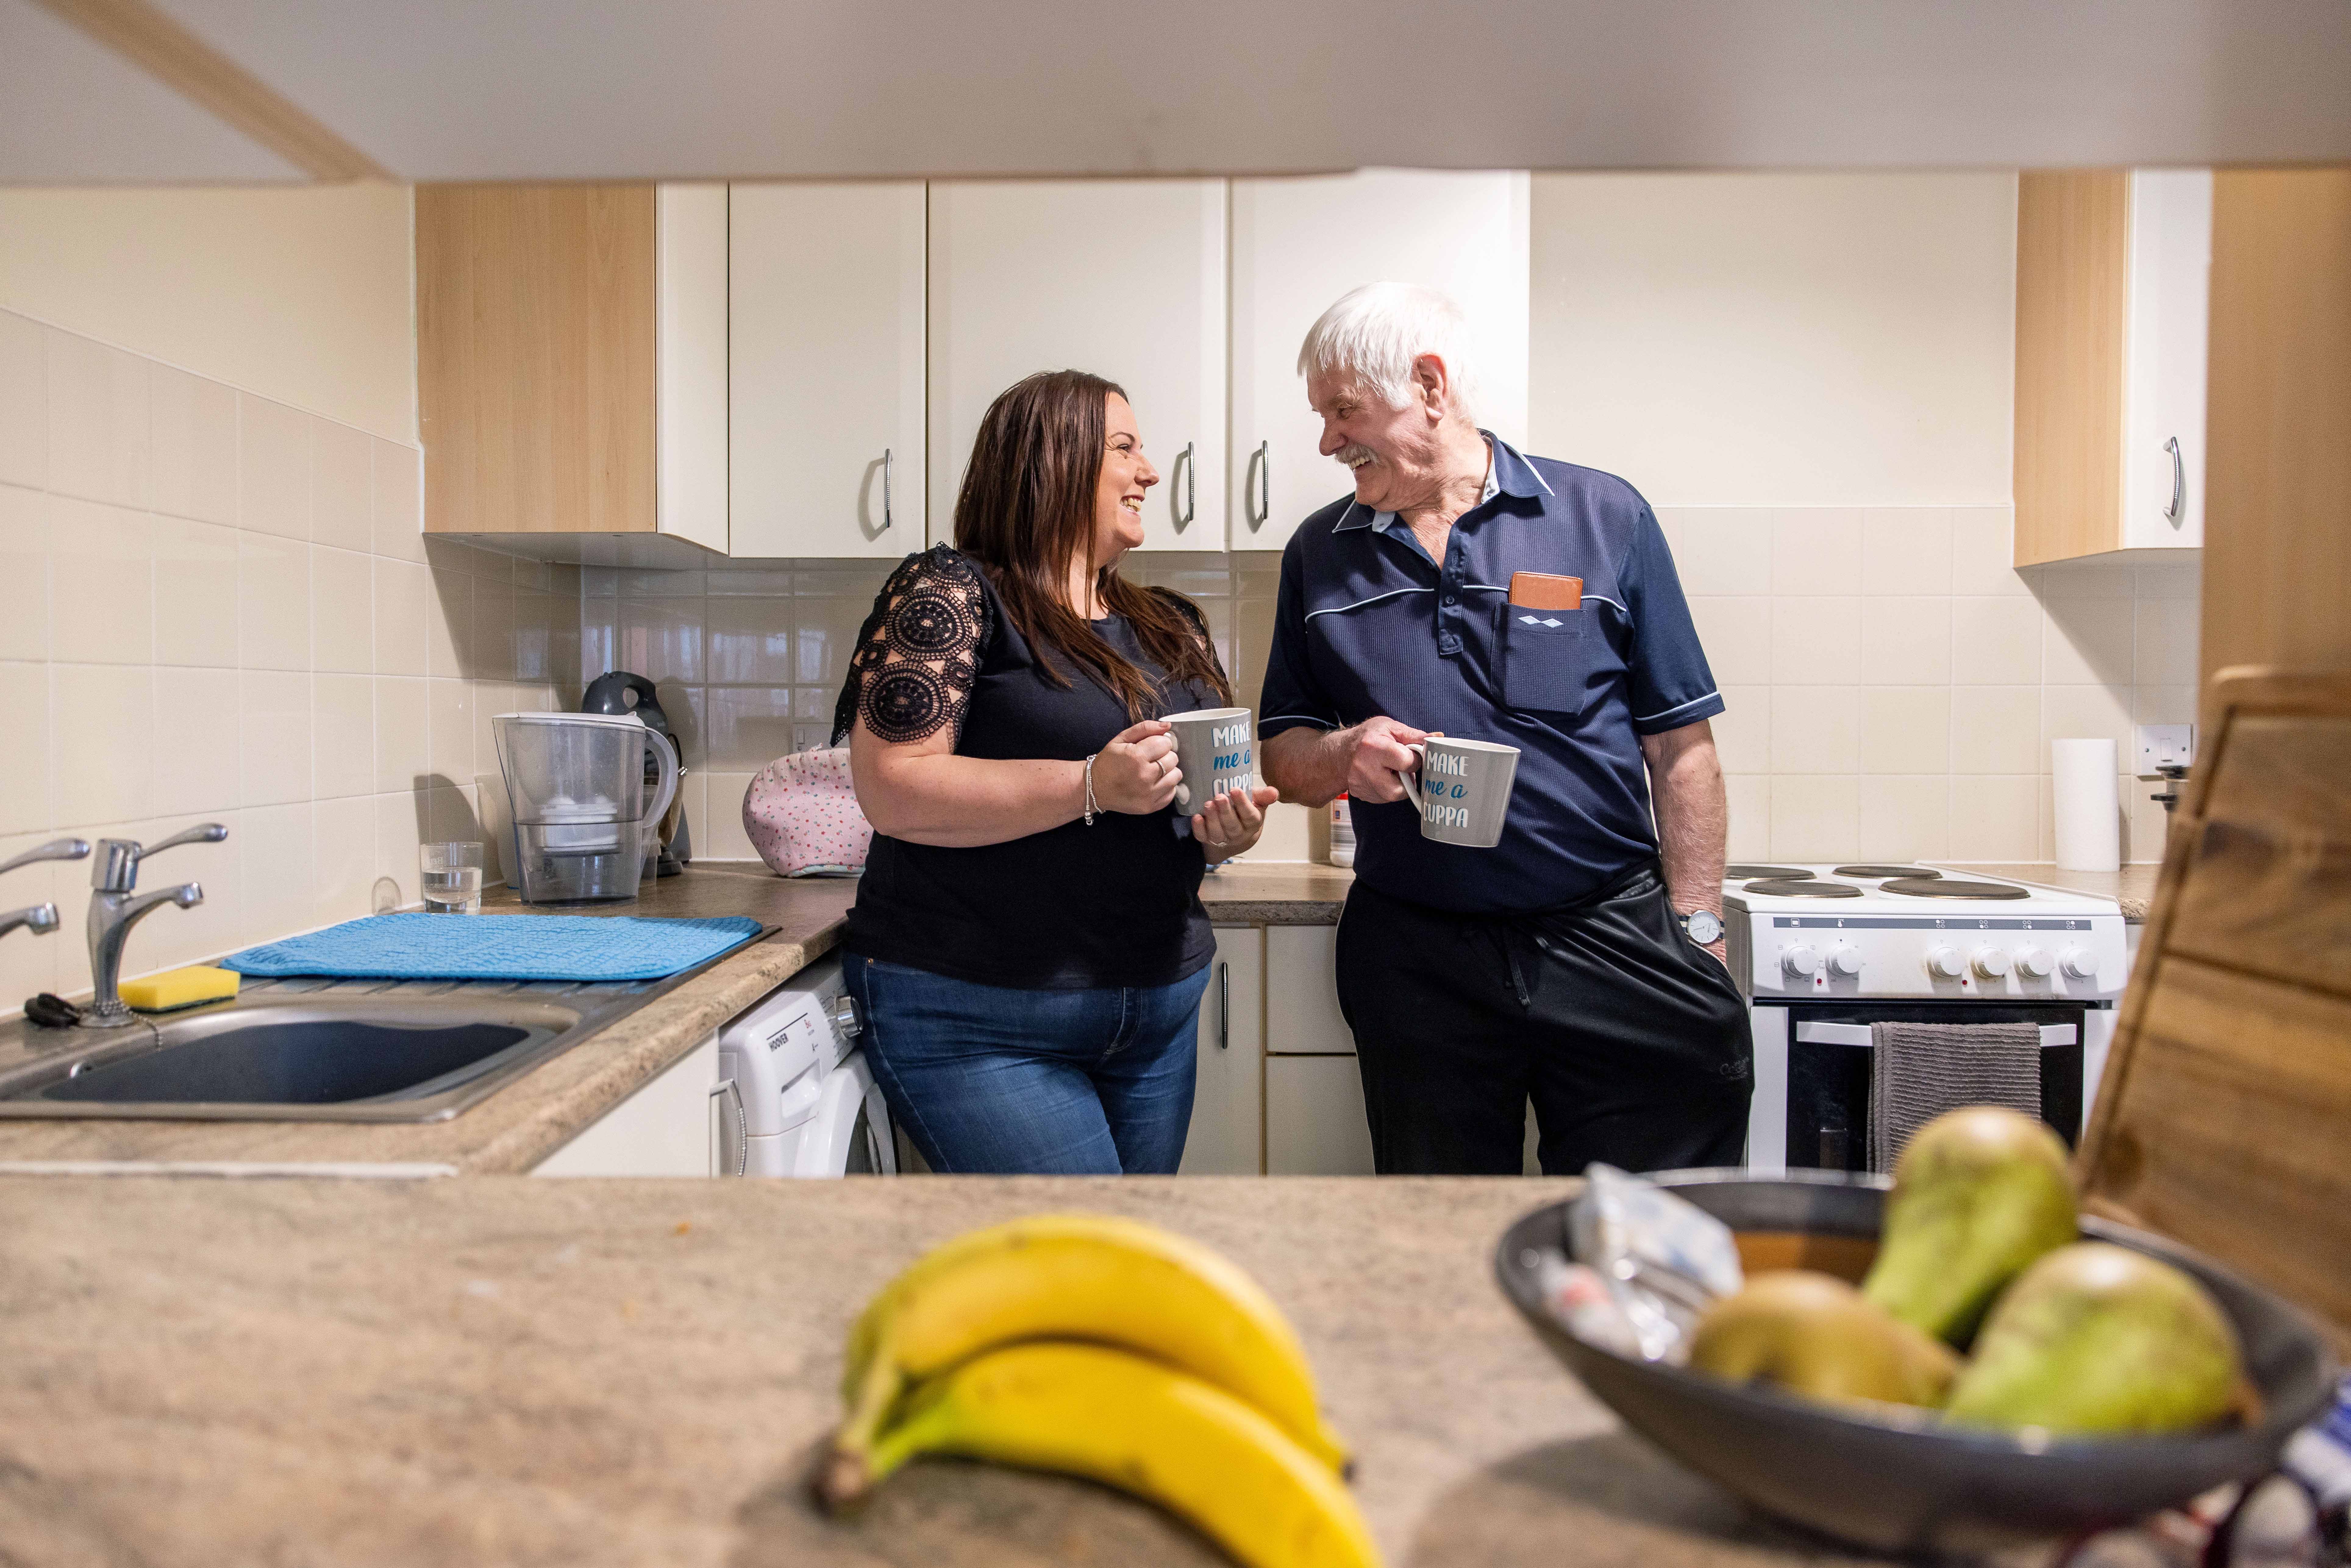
[[1374, 334]]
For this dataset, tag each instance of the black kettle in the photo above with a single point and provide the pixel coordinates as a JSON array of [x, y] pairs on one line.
[[620, 692]]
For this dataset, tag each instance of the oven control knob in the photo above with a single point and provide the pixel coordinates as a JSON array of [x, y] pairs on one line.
[[2080, 963], [1844, 958], [1944, 964], [2035, 962], [1991, 963], [1800, 961]]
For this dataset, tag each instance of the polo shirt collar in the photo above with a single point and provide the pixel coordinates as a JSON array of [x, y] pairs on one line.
[[1507, 473]]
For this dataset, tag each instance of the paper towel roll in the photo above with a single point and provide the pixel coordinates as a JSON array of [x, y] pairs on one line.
[[2088, 808]]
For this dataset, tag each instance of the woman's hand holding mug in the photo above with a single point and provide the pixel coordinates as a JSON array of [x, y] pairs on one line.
[[1136, 772], [1231, 823]]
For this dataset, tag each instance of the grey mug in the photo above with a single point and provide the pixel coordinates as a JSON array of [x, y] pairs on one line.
[[1462, 788], [1217, 749]]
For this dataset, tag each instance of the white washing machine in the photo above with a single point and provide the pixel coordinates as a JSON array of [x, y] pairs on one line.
[[795, 1097]]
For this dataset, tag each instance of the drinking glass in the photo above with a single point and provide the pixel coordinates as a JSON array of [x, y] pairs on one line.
[[451, 877]]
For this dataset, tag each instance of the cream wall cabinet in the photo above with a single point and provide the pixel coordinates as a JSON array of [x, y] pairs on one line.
[[826, 369], [1298, 245], [571, 360], [1227, 1134], [1121, 277], [2113, 286], [665, 1129]]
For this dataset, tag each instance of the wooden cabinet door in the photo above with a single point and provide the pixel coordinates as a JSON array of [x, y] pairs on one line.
[[1228, 1132], [1314, 1117], [826, 368], [1121, 277], [1298, 245]]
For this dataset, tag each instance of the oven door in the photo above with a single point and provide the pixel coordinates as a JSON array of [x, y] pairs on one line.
[[1812, 1063]]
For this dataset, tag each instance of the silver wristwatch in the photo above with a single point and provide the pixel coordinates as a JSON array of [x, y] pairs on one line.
[[1704, 925]]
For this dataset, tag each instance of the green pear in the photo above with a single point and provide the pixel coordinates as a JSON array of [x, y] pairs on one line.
[[2098, 1340], [1978, 1196], [1814, 1334]]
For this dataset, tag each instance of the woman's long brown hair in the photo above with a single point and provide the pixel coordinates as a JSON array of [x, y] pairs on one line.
[[1026, 509]]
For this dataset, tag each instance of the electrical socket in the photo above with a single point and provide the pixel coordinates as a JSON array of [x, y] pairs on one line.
[[2165, 745]]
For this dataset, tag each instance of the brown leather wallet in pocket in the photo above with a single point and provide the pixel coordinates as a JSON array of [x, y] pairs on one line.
[[1541, 591]]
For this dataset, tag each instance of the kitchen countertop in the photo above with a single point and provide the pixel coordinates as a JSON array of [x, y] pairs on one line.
[[580, 1373], [2133, 886], [522, 1123]]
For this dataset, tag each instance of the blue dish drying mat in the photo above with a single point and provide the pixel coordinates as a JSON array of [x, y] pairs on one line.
[[420, 947]]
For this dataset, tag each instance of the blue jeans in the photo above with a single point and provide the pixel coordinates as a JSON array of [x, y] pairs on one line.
[[992, 1080]]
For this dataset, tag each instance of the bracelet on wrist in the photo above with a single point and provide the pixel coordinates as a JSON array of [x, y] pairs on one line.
[[1091, 807]]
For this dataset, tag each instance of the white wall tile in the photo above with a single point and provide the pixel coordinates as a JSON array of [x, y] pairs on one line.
[[401, 824], [26, 966], [102, 583], [344, 847], [1905, 819], [1905, 642], [1736, 634], [490, 633], [1905, 730], [26, 802], [103, 717], [273, 601], [728, 841], [1993, 818], [397, 484], [2072, 579], [1995, 642], [1815, 550], [449, 623], [342, 610], [24, 402], [1742, 731], [2087, 713], [403, 752], [1996, 729], [273, 467], [1983, 552], [2089, 641], [193, 428], [2165, 642], [1750, 796], [403, 616], [274, 737], [98, 420], [199, 731], [342, 496], [280, 869], [24, 572], [197, 593], [449, 730], [342, 735], [1719, 549], [1816, 729], [1906, 551], [1815, 817], [1814, 639], [173, 937]]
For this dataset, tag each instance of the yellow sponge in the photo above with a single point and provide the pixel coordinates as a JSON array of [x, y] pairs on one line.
[[176, 988]]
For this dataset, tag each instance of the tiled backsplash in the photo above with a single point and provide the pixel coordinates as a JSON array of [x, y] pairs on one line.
[[214, 607], [1893, 683]]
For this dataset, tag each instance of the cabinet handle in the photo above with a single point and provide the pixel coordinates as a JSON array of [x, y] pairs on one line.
[[1261, 469], [886, 519], [2179, 483], [1224, 1006], [1186, 466]]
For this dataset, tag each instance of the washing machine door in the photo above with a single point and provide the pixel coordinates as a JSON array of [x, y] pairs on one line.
[[850, 1133]]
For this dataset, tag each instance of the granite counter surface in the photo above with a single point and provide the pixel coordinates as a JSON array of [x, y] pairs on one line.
[[582, 1373], [2133, 886]]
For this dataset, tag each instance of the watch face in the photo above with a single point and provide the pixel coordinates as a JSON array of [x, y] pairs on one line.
[[1703, 927]]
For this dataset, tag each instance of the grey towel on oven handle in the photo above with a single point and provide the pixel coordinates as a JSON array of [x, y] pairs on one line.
[[1919, 1071]]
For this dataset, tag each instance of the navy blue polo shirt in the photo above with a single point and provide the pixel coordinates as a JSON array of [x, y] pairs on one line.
[[1367, 624]]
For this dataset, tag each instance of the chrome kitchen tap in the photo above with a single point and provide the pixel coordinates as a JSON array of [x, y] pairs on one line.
[[114, 909], [39, 918]]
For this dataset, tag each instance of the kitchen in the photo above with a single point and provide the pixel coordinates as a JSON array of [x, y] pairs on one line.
[[241, 591]]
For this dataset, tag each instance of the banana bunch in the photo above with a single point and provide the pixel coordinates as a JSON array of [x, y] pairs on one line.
[[1107, 1349]]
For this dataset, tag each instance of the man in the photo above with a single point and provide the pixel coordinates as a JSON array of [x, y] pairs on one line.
[[1580, 961]]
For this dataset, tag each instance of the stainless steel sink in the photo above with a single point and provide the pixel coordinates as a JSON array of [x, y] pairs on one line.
[[311, 1051]]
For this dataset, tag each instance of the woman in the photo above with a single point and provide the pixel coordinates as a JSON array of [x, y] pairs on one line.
[[1027, 944]]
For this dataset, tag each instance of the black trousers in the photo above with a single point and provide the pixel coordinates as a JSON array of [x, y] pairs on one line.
[[1631, 1040]]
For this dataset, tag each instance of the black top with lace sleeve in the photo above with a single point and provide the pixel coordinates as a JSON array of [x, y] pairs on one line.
[[1116, 903]]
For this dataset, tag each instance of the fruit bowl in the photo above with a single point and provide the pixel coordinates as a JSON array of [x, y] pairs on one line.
[[1913, 1485]]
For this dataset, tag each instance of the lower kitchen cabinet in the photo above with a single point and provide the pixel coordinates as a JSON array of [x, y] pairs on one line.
[[1227, 1134], [665, 1128], [1301, 1009], [1314, 1117]]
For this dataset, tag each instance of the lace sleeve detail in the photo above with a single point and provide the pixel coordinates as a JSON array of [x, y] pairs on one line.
[[918, 653]]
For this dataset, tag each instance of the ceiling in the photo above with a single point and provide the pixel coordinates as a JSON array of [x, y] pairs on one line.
[[448, 89]]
